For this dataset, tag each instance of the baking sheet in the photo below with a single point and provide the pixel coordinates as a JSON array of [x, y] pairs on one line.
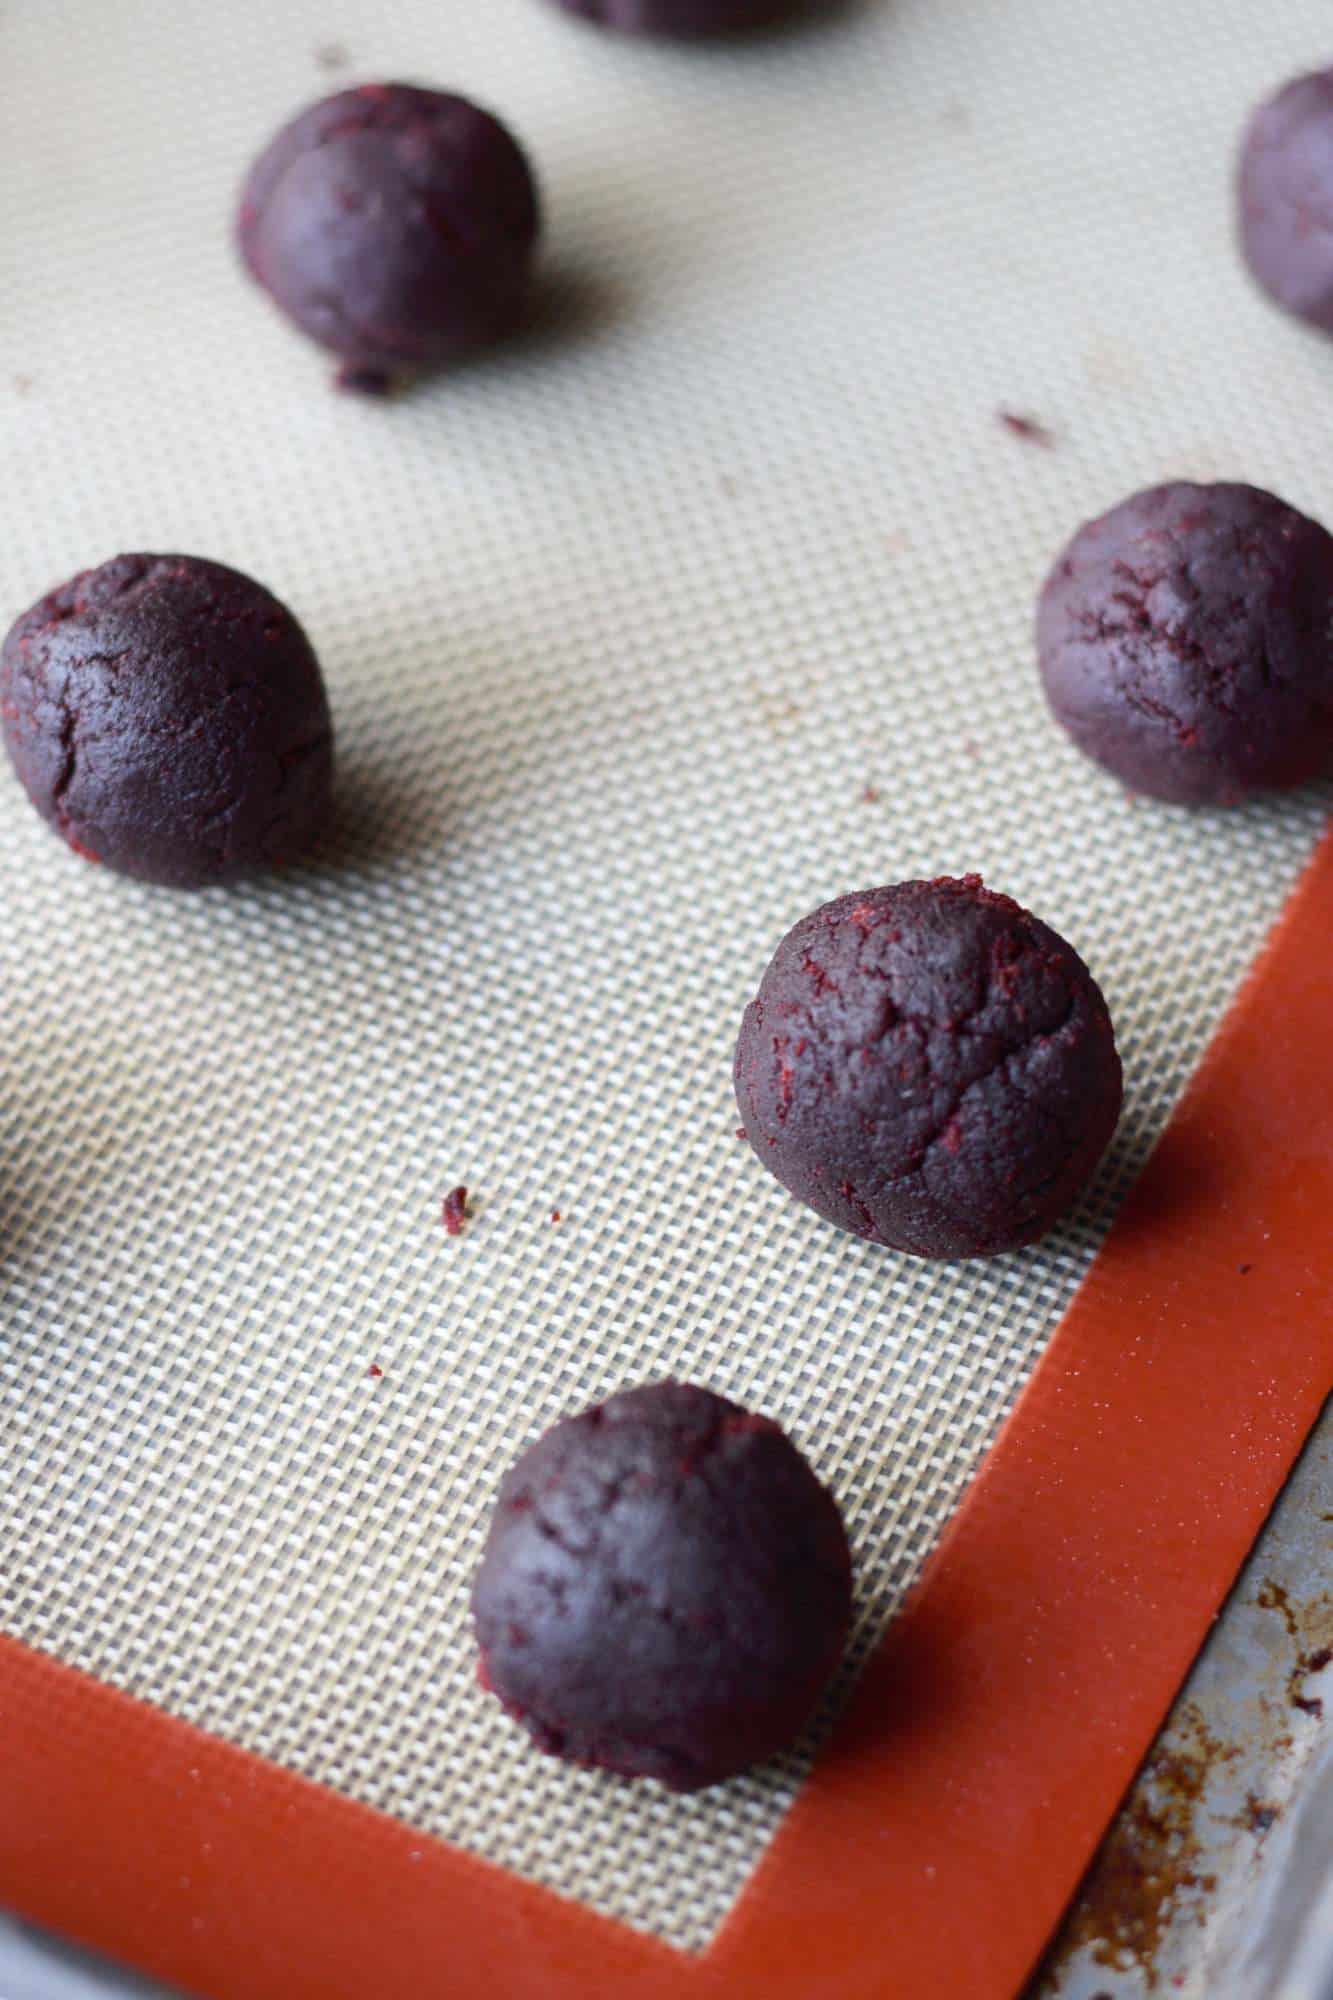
[[707, 601], [1211, 1882], [33, 1967]]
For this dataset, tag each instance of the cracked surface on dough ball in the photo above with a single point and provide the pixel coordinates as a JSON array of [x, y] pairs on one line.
[[931, 1067], [1185, 641], [395, 226], [1285, 198], [167, 716], [666, 1588]]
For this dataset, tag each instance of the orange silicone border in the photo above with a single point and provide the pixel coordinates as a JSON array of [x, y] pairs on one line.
[[990, 1739]]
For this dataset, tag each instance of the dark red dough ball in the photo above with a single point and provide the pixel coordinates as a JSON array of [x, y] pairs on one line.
[[1186, 642], [931, 1067], [665, 1590], [167, 716], [1285, 198], [395, 226], [682, 18]]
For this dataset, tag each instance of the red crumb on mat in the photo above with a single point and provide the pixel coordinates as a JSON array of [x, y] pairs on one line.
[[455, 1210], [869, 795], [375, 1371], [555, 1215], [741, 1132], [1026, 428]]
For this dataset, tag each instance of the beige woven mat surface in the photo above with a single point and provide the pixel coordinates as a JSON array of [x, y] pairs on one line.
[[619, 627]]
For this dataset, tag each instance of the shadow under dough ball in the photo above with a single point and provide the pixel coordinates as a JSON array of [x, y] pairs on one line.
[[1185, 640], [679, 18], [666, 1588], [930, 1067], [396, 226], [167, 716], [1285, 198]]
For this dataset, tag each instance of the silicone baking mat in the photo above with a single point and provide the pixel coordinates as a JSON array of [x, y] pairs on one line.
[[707, 600]]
